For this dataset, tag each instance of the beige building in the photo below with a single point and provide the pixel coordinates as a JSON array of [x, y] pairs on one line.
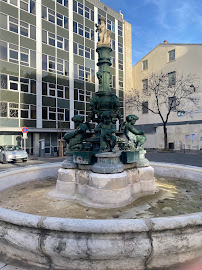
[[184, 129]]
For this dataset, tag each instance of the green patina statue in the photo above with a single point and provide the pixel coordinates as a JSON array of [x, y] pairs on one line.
[[106, 131], [135, 137], [75, 138]]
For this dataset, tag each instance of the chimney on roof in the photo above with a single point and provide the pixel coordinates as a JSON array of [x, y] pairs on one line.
[[165, 41]]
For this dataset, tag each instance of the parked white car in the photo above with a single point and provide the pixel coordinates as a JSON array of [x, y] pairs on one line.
[[12, 153]]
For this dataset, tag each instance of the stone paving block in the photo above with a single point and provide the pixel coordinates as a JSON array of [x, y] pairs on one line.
[[2, 265], [9, 267]]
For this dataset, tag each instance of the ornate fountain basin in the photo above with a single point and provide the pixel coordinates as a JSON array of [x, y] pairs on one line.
[[59, 243]]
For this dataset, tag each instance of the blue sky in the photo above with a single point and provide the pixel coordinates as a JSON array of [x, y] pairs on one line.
[[153, 21]]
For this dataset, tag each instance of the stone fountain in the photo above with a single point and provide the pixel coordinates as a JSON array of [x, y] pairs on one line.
[[101, 169]]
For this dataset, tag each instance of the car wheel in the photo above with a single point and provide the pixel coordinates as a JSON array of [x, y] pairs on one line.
[[4, 161], [24, 160]]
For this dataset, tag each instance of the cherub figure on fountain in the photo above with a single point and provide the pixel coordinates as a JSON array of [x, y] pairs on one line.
[[104, 34], [106, 131], [136, 138], [75, 138]]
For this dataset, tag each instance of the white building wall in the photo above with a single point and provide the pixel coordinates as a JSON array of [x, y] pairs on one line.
[[188, 59]]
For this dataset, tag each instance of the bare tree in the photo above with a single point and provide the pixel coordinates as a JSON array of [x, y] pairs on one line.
[[166, 93]]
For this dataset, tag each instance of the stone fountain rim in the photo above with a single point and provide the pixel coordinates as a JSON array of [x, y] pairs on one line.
[[100, 226]]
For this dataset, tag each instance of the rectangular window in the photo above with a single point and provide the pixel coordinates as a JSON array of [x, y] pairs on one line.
[[13, 83], [61, 114], [92, 75], [51, 15], [4, 81], [92, 15], [109, 26], [80, 29], [33, 87], [3, 109], [60, 42], [60, 67], [13, 24], [32, 7], [120, 83], [120, 47], [145, 107], [33, 32], [24, 5], [171, 78], [171, 55], [145, 85], [87, 32], [81, 48], [24, 85], [51, 89], [51, 64], [3, 20], [44, 62], [92, 54], [92, 34], [66, 45], [87, 74], [44, 36], [13, 53], [74, 5], [81, 73], [66, 92], [52, 113], [87, 52], [87, 12], [24, 56], [74, 27], [172, 103], [44, 113], [33, 111], [80, 9], [32, 59], [145, 65], [44, 13], [13, 110], [120, 64], [51, 39], [24, 111], [76, 72], [60, 91], [59, 19], [66, 68], [113, 44], [3, 50], [24, 29], [75, 48], [66, 22], [120, 30], [44, 89]]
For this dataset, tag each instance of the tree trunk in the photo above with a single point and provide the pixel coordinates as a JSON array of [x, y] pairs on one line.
[[165, 136]]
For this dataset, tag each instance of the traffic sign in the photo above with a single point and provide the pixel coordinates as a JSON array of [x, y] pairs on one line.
[[24, 129]]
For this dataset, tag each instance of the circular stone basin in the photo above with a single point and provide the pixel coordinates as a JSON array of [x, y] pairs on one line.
[[132, 237]]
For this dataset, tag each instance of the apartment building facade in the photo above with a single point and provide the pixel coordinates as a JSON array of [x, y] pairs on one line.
[[48, 66], [184, 127]]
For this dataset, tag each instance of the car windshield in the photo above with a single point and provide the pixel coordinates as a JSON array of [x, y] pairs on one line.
[[12, 147]]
